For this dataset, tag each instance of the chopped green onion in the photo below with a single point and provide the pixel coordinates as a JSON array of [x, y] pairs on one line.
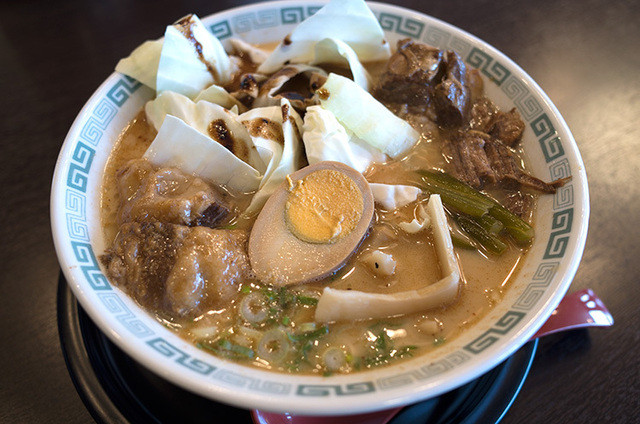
[[253, 308], [274, 346], [250, 333], [439, 341], [404, 351], [225, 348], [311, 335], [305, 327], [334, 358], [281, 296], [381, 341], [307, 300], [244, 351]]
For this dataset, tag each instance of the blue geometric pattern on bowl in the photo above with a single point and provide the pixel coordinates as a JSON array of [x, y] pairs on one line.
[[527, 103]]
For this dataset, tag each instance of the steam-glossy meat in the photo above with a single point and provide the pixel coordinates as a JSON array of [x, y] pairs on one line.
[[481, 114], [519, 203], [424, 77], [141, 259], [504, 126], [507, 127], [478, 158], [452, 93], [210, 266], [469, 159], [178, 269], [167, 195], [411, 74]]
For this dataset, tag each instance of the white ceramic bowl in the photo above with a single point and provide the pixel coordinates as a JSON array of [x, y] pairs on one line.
[[547, 270]]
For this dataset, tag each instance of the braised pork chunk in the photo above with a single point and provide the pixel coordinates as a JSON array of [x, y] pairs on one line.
[[182, 270], [167, 195]]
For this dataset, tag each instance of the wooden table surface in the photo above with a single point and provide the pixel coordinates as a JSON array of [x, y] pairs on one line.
[[584, 54]]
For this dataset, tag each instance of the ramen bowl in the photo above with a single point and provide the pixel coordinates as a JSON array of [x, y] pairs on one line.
[[544, 275]]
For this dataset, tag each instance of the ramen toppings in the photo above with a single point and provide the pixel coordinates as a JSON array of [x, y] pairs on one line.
[[296, 210]]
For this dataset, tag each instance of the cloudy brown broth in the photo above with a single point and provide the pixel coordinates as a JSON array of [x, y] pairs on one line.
[[485, 278], [364, 344]]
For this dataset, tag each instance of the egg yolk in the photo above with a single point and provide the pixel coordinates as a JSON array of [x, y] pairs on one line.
[[324, 206]]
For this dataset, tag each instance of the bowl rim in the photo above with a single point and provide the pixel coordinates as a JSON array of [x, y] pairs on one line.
[[311, 405]]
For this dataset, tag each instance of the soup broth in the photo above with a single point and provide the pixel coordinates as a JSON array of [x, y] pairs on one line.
[[366, 343], [163, 262]]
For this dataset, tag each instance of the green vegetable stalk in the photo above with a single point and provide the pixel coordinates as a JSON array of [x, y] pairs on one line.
[[489, 215]]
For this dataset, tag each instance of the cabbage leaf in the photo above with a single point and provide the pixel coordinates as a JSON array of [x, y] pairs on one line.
[[350, 21], [369, 119], [181, 68], [181, 146], [326, 139], [253, 53], [220, 96], [285, 154], [337, 52], [174, 62], [142, 63], [199, 116]]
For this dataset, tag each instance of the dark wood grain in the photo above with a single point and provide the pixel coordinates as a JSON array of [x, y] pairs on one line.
[[584, 54]]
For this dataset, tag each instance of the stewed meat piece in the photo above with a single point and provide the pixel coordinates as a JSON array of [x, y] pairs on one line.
[[507, 127], [411, 74], [482, 114], [210, 266], [469, 159], [177, 269], [519, 202], [504, 126], [425, 77], [141, 259], [477, 158], [452, 94], [167, 195]]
